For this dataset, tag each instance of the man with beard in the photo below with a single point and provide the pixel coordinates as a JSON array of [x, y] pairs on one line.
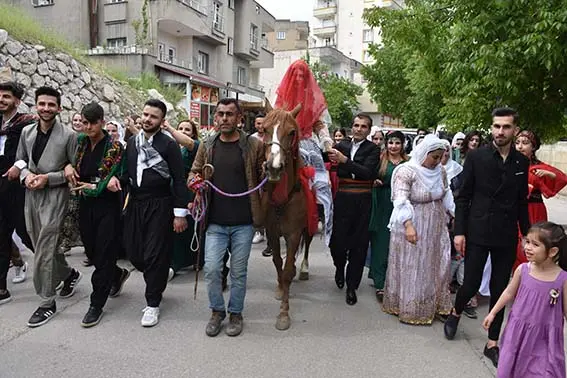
[[237, 160], [44, 150], [491, 204], [357, 169], [158, 200], [11, 193]]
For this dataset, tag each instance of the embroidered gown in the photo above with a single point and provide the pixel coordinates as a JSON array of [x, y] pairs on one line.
[[417, 278]]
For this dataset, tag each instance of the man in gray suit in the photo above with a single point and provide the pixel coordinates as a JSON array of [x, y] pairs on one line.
[[45, 149]]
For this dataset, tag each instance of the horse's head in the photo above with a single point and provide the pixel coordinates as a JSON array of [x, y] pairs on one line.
[[282, 138]]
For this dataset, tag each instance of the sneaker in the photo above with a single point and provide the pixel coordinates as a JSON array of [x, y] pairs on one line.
[[70, 284], [258, 238], [170, 275], [42, 315], [116, 288], [151, 316], [59, 286], [470, 312], [5, 297], [235, 324], [214, 325], [267, 252], [87, 263], [451, 325], [92, 317], [20, 273]]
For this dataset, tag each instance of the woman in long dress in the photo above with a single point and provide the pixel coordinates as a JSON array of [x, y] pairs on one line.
[[382, 210], [417, 279]]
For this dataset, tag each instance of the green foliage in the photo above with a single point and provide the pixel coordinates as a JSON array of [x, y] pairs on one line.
[[453, 61], [340, 93], [150, 81]]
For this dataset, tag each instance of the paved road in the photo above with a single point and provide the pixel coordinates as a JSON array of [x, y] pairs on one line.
[[327, 338]]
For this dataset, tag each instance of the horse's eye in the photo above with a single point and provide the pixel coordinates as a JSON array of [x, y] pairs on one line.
[[292, 133]]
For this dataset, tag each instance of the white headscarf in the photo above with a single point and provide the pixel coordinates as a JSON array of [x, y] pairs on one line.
[[121, 130], [451, 167], [373, 130], [431, 178], [457, 136]]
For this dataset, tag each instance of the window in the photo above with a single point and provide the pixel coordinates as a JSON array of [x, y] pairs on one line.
[[368, 36], [115, 43], [171, 54], [241, 76], [253, 37], [280, 35], [367, 57], [231, 4], [41, 3], [203, 63], [115, 1], [218, 19], [161, 51], [328, 42], [230, 46]]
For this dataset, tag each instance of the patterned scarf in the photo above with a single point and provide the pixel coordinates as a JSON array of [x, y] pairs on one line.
[[148, 157]]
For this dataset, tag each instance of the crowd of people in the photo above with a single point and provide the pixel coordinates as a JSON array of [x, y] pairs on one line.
[[423, 223]]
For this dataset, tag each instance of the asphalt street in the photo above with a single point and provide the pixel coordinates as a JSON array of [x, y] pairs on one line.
[[327, 338]]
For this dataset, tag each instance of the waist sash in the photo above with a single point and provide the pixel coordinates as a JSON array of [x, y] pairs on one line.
[[354, 186]]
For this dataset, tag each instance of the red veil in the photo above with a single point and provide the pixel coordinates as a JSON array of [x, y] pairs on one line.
[[299, 86]]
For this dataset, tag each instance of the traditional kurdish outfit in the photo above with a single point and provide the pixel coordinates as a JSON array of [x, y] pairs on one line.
[[417, 280], [47, 153], [183, 256], [299, 86], [100, 211], [155, 177]]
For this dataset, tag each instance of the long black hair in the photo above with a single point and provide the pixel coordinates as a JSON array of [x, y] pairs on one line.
[[553, 235]]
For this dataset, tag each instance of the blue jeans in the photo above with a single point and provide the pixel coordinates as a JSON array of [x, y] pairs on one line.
[[217, 240]]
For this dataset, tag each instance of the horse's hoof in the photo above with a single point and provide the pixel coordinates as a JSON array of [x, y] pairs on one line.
[[279, 294], [304, 276], [283, 322]]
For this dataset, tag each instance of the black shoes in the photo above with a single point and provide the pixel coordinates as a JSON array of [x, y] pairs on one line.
[[267, 252], [492, 354], [41, 316], [214, 325], [92, 317], [351, 298], [5, 297], [470, 312], [116, 288], [235, 325], [70, 284], [451, 325], [340, 278]]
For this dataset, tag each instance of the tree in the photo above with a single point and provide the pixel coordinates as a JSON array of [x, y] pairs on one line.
[[458, 59], [340, 93]]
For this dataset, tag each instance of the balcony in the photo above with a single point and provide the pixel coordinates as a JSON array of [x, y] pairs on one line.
[[254, 44], [196, 5], [325, 30], [218, 25], [175, 61], [115, 12], [325, 10]]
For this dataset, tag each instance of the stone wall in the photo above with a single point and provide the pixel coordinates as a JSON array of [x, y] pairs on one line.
[[34, 66], [555, 155]]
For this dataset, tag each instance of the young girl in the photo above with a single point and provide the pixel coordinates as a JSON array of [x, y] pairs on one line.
[[532, 343]]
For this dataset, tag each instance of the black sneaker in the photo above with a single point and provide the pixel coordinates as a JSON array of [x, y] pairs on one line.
[[493, 354], [5, 297], [214, 325], [92, 317], [267, 252], [70, 284], [41, 316], [116, 288], [451, 325], [470, 312]]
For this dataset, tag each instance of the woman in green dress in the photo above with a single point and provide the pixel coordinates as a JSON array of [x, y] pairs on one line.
[[187, 136], [382, 207]]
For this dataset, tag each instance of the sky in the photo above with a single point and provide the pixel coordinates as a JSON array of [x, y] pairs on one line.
[[296, 10]]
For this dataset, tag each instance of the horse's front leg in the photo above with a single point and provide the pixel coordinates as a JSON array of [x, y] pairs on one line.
[[274, 243], [292, 242], [304, 270]]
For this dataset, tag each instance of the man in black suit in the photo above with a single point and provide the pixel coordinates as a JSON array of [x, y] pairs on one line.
[[357, 169], [491, 203]]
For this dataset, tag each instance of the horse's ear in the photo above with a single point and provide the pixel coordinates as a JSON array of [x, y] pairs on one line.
[[268, 107], [296, 110]]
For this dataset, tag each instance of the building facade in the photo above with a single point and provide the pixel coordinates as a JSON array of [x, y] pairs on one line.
[[290, 42], [208, 48], [339, 24]]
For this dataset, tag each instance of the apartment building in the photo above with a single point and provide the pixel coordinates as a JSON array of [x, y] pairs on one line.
[[209, 48], [339, 24], [290, 42]]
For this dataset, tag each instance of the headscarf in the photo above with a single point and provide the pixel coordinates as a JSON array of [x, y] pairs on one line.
[[431, 178], [299, 86], [534, 139], [452, 168], [396, 135], [374, 130], [457, 136], [120, 128]]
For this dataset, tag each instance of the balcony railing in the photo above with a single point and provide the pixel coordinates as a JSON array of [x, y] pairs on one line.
[[325, 4], [122, 50], [196, 5], [254, 41], [218, 23], [264, 45], [173, 60], [257, 87]]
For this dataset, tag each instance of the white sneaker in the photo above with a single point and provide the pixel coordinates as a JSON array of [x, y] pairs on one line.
[[258, 238], [151, 316], [20, 273], [170, 275]]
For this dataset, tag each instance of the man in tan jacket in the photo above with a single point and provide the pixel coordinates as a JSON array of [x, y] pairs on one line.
[[237, 161]]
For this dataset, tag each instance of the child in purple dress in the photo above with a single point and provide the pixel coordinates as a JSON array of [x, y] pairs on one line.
[[532, 343]]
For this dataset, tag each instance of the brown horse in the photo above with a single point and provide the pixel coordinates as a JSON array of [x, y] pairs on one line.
[[286, 213]]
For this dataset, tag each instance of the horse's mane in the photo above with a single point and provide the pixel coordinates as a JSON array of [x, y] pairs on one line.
[[280, 116]]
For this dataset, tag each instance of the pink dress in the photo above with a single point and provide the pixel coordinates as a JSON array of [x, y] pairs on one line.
[[532, 343]]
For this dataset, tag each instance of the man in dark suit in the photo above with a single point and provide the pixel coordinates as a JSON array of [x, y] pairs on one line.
[[491, 203], [357, 169]]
